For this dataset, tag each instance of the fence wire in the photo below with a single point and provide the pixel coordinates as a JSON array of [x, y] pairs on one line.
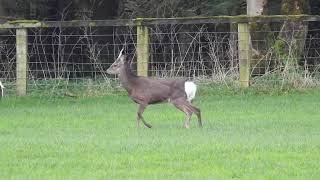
[[75, 59]]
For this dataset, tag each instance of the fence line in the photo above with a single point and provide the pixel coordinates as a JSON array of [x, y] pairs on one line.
[[158, 21], [165, 47]]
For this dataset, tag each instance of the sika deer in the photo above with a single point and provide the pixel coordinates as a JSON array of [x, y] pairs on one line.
[[145, 91]]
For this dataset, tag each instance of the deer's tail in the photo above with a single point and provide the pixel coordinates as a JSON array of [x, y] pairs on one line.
[[190, 89]]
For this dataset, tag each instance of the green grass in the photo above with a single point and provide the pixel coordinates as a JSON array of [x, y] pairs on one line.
[[249, 136]]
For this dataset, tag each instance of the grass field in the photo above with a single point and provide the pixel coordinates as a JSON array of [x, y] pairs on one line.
[[244, 136]]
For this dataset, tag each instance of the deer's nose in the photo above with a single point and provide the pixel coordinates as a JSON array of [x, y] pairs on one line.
[[108, 71]]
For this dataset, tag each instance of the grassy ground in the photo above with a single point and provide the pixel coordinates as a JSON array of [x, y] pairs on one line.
[[244, 136]]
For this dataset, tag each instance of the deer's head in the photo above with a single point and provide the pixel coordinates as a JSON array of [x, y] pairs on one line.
[[118, 64]]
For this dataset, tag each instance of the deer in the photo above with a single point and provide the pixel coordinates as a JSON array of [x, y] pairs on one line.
[[147, 91]]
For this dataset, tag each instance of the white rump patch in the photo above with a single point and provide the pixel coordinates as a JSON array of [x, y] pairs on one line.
[[191, 89]]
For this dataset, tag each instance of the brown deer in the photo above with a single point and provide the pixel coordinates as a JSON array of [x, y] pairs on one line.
[[145, 91]]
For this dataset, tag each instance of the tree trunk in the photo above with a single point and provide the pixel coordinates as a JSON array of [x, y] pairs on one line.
[[292, 35], [82, 9], [255, 7]]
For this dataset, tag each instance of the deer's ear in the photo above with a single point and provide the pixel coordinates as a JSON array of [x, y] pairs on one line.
[[124, 58], [120, 54], [121, 59]]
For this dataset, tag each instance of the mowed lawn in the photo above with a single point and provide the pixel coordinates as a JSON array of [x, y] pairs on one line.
[[244, 136]]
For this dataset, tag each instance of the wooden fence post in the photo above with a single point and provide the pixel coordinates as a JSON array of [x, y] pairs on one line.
[[21, 67], [244, 52], [142, 50]]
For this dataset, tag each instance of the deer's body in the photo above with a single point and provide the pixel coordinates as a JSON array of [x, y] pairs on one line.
[[150, 91], [145, 91]]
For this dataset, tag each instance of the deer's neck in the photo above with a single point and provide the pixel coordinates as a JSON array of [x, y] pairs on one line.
[[127, 78]]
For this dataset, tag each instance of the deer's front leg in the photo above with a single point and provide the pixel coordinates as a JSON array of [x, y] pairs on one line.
[[139, 116], [139, 113], [138, 121]]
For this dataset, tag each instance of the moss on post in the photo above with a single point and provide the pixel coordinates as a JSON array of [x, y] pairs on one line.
[[21, 70], [244, 51], [142, 50]]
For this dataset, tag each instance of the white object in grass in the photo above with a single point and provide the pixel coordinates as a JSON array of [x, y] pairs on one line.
[[2, 89]]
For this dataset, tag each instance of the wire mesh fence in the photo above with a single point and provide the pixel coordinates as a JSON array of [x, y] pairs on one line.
[[7, 58], [286, 54], [75, 59]]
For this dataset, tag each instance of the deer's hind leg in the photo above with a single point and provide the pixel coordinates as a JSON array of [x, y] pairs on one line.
[[184, 106], [197, 111], [140, 117], [188, 109]]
